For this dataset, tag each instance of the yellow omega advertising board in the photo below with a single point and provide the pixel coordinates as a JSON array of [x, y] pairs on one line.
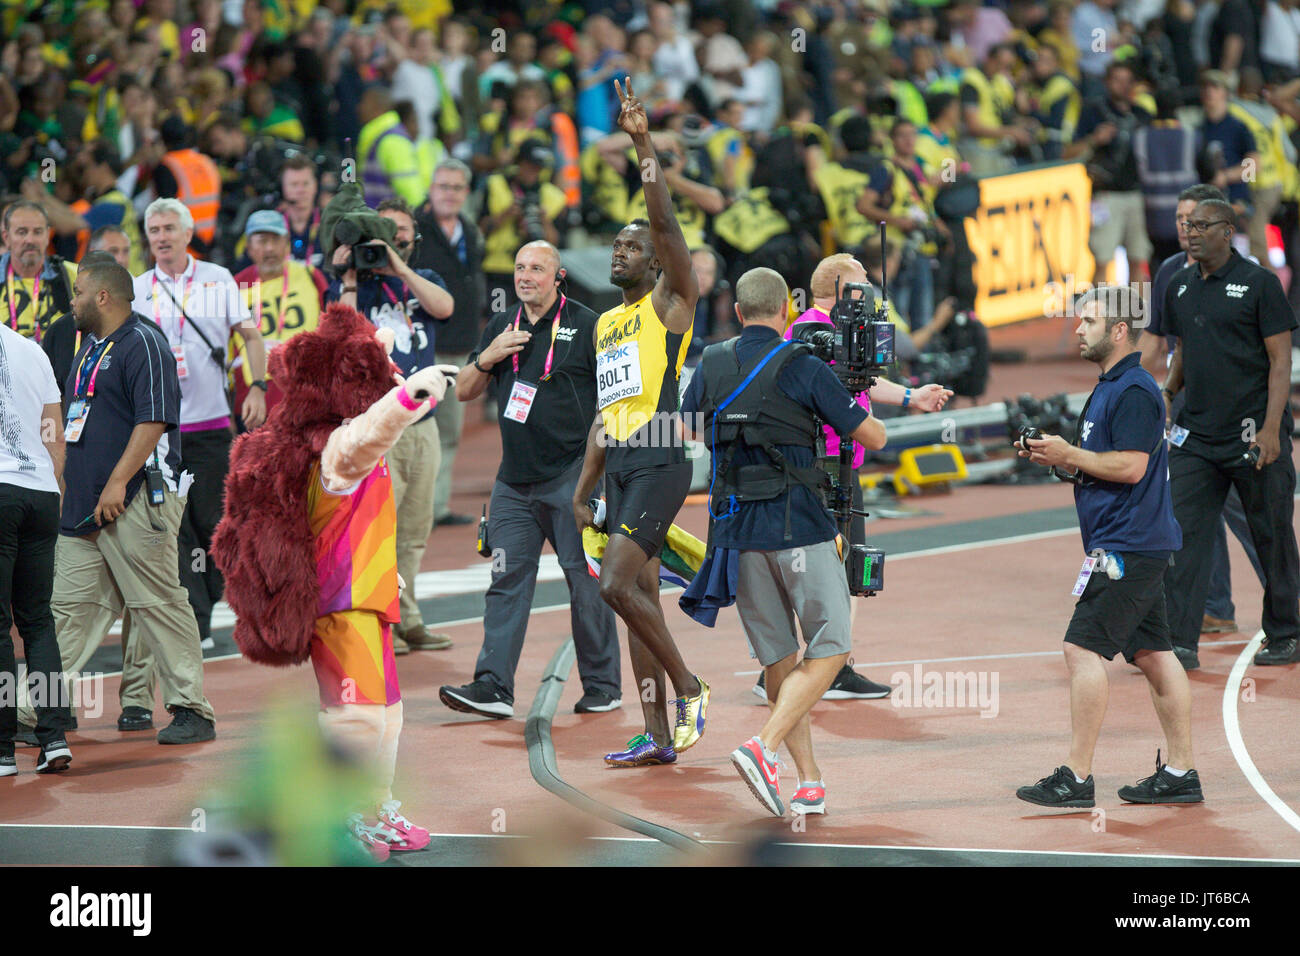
[[1030, 241]]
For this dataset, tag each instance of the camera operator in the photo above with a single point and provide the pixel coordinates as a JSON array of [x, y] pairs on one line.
[[1120, 468], [407, 301], [779, 539], [831, 273], [521, 206]]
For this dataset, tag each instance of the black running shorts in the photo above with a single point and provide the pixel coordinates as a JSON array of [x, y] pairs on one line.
[[1124, 616], [642, 503]]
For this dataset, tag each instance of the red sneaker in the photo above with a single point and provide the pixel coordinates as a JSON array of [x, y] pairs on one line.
[[412, 837], [373, 839]]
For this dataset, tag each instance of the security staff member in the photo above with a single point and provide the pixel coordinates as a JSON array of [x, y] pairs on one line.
[[541, 357], [1233, 357], [1119, 465], [36, 289], [776, 531]]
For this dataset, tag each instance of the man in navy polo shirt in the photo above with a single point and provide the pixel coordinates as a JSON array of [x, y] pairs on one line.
[[1119, 466], [408, 301], [124, 497]]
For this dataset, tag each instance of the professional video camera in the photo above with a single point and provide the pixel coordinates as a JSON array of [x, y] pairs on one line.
[[861, 345], [859, 348], [347, 220]]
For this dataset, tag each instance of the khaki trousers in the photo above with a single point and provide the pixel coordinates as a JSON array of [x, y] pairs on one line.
[[130, 564], [413, 465]]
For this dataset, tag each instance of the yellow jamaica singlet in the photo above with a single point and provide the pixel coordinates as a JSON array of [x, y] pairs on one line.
[[638, 365]]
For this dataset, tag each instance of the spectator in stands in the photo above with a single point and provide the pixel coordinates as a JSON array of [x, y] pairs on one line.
[[407, 301], [674, 56], [31, 479], [1104, 142], [197, 305], [760, 89], [417, 80], [722, 58], [521, 50], [595, 105], [1279, 41], [978, 27], [1095, 29], [1234, 38], [452, 247]]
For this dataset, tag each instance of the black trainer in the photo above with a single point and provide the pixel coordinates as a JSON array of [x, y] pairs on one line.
[[478, 697], [54, 757], [135, 718], [850, 685], [1164, 787], [1187, 657], [1061, 789], [8, 765], [187, 727], [596, 702], [1277, 652]]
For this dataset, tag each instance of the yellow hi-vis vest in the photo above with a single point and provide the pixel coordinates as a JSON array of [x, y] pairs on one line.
[[1267, 147], [996, 97]]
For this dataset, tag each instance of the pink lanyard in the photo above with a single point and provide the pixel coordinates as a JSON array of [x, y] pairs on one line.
[[13, 309], [550, 354], [184, 298], [94, 374], [393, 299], [284, 294]]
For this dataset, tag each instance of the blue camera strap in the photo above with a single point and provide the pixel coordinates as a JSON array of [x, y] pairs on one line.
[[732, 505]]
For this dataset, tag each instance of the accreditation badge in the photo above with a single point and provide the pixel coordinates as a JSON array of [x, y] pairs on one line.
[[1089, 564], [520, 402], [78, 412], [182, 370]]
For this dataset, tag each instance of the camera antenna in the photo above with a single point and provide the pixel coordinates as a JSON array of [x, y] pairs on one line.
[[884, 291]]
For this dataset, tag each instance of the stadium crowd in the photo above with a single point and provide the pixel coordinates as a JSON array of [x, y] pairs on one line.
[[197, 144]]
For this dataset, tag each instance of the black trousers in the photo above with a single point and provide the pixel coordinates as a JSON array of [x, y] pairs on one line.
[[1200, 476], [207, 455], [29, 528]]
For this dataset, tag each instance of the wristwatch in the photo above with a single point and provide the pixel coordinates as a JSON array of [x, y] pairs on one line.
[[480, 367], [349, 288], [258, 383]]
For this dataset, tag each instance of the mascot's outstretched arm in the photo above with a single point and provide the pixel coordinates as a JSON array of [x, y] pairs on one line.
[[354, 448]]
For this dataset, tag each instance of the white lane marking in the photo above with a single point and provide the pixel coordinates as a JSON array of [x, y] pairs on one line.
[[979, 657], [1232, 727]]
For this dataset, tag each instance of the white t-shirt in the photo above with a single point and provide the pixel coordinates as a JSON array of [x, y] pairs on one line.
[[1279, 37], [26, 386], [415, 82], [211, 298], [676, 65]]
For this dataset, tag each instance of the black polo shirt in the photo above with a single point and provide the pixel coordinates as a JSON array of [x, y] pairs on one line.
[[555, 434], [1222, 320], [136, 383]]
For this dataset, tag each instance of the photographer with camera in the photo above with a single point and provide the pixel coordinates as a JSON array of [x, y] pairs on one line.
[[776, 542], [1119, 465], [522, 206], [376, 280]]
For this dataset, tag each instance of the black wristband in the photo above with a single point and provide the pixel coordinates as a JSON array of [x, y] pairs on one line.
[[480, 367], [258, 383]]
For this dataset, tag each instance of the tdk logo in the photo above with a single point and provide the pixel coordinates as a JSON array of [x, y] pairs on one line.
[[1236, 291]]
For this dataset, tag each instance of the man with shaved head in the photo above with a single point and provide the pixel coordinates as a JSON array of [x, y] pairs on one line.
[[774, 547], [540, 354], [123, 498]]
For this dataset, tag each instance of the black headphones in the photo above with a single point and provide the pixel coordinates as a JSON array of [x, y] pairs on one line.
[[560, 275]]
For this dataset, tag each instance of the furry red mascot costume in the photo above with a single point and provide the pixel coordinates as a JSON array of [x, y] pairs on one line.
[[308, 541]]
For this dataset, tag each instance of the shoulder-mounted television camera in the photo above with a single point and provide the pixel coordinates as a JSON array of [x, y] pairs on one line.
[[861, 344]]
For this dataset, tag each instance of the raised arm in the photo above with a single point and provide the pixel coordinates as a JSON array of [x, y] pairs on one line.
[[676, 292]]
